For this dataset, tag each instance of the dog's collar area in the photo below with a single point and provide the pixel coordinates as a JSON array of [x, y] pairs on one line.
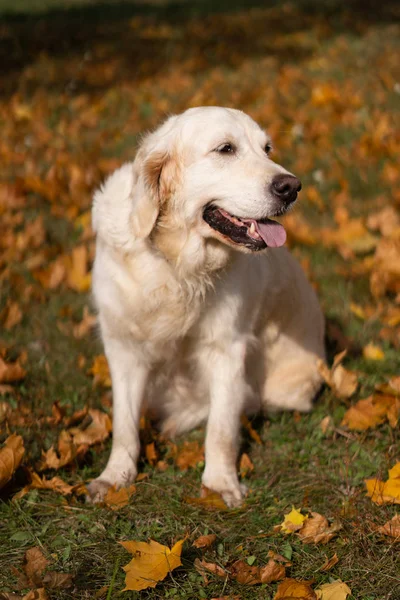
[[252, 233]]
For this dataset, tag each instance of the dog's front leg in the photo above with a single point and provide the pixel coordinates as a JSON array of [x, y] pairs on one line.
[[129, 376], [225, 370]]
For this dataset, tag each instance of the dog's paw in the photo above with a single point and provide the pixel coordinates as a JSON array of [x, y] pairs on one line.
[[96, 490], [228, 487]]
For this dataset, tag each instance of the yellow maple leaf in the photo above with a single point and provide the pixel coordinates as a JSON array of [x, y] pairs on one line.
[[151, 563], [385, 492], [338, 590], [293, 521], [372, 411]]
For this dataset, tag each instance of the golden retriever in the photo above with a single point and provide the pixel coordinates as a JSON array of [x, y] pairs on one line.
[[203, 313]]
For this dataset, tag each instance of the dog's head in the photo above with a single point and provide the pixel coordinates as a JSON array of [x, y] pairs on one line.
[[207, 174]]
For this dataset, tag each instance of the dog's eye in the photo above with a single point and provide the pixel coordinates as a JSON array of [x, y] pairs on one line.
[[267, 148], [226, 148]]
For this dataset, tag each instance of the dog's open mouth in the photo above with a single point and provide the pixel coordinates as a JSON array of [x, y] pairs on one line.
[[255, 235]]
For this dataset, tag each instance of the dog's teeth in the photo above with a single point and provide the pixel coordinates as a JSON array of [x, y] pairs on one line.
[[252, 229]]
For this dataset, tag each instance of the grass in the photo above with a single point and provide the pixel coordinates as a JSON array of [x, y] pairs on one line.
[[267, 63]]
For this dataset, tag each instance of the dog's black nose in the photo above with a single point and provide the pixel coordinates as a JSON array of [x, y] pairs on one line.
[[285, 187]]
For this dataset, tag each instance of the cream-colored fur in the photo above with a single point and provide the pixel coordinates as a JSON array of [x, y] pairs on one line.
[[198, 330]]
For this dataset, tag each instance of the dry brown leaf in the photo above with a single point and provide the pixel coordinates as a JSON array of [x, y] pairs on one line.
[[292, 588], [97, 430], [326, 424], [56, 484], [316, 530], [88, 322], [78, 276], [243, 573], [205, 541], [245, 465], [67, 451], [342, 382], [391, 528], [116, 499], [385, 492], [10, 457], [333, 591], [53, 580], [372, 411], [35, 564], [10, 372], [151, 563], [51, 277], [202, 567], [190, 455], [272, 571], [100, 371], [209, 500], [330, 563]]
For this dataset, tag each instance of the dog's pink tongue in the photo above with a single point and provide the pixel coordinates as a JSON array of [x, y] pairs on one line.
[[273, 234]]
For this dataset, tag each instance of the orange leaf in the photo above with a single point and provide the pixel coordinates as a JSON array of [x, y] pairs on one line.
[[10, 457], [56, 484], [372, 412], [245, 466], [252, 432], [96, 431], [151, 563], [342, 382], [209, 500], [330, 563], [337, 590], [189, 456], [12, 315], [10, 372], [202, 566], [100, 371], [116, 499], [292, 588], [205, 541], [78, 277], [87, 323]]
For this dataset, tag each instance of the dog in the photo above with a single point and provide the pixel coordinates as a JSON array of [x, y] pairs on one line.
[[203, 313]]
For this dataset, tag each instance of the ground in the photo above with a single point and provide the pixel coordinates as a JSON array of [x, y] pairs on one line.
[[80, 81]]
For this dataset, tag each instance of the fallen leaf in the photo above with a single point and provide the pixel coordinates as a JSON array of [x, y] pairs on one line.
[[10, 457], [38, 594], [326, 424], [385, 492], [56, 484], [10, 372], [272, 572], [205, 541], [189, 456], [151, 453], [67, 451], [151, 563], [116, 499], [293, 521], [78, 276], [342, 382], [202, 567], [97, 430], [251, 431], [245, 465], [373, 352], [391, 528], [88, 322], [209, 500], [330, 563], [12, 315], [292, 588], [316, 530], [35, 564], [100, 371], [372, 411], [333, 591], [60, 581]]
